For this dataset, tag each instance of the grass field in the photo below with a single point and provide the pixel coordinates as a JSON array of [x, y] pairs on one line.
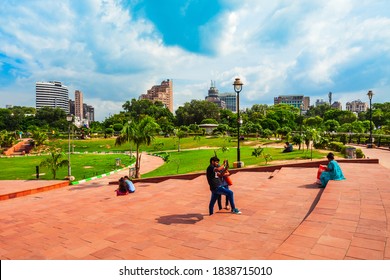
[[198, 160], [83, 166], [158, 144], [194, 156]]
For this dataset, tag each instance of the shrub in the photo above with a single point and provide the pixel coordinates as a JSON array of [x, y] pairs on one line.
[[359, 153], [335, 146], [322, 144]]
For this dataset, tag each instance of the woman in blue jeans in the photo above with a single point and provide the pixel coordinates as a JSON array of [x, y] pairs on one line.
[[213, 173]]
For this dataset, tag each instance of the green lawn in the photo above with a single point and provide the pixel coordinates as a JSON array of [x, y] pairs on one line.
[[83, 166], [197, 160], [86, 163], [158, 144]]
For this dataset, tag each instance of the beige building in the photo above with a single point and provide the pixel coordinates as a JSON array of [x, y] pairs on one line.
[[293, 100], [356, 106], [163, 93], [78, 106]]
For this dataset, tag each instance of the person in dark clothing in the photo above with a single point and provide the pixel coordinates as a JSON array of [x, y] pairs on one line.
[[288, 148], [214, 180]]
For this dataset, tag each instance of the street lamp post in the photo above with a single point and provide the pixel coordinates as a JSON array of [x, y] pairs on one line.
[[370, 94], [237, 88], [300, 124], [69, 118]]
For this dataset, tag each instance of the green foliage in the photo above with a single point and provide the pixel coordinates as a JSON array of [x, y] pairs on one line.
[[54, 161], [138, 109], [157, 146], [267, 158], [209, 121], [117, 127], [140, 132], [257, 152], [335, 146], [39, 137], [196, 111], [359, 153], [109, 131], [7, 139]]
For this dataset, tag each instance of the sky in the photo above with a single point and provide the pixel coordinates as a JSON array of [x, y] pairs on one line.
[[115, 50]]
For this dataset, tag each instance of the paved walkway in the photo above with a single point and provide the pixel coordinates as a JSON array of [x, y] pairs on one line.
[[284, 216]]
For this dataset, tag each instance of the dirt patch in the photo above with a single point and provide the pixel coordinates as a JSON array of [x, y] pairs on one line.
[[87, 167]]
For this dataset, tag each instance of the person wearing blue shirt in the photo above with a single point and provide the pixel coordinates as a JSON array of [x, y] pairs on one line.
[[130, 184], [213, 173], [332, 172]]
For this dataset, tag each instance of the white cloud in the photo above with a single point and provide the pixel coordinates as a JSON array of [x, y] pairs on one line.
[[275, 47]]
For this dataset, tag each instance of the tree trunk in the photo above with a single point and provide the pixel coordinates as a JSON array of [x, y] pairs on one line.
[[137, 163]]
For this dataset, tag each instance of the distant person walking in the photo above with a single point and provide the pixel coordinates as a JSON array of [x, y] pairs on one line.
[[332, 171], [214, 180]]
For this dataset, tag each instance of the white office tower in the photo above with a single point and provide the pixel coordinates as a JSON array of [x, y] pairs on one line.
[[51, 94]]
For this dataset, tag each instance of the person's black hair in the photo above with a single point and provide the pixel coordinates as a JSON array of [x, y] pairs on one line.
[[214, 159], [330, 156]]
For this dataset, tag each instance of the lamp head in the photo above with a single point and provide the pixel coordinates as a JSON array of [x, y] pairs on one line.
[[69, 118], [370, 94], [237, 85]]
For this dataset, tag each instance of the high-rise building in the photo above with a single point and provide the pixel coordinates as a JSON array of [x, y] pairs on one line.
[[294, 100], [51, 94], [72, 107], [230, 100], [163, 93], [89, 113], [213, 96], [78, 106]]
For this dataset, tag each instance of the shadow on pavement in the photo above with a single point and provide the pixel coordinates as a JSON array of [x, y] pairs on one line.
[[191, 218]]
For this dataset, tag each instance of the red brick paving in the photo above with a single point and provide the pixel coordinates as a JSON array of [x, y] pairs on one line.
[[169, 220]]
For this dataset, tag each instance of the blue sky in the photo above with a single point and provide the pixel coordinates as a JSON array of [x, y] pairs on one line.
[[114, 50]]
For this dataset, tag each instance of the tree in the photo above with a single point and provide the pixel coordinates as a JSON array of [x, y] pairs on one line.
[[54, 161], [318, 110], [138, 132], [52, 118], [39, 137], [7, 139], [331, 125], [196, 111], [179, 134], [314, 122], [137, 109]]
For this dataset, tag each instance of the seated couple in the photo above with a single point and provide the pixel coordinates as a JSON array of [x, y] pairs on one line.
[[214, 175], [126, 186]]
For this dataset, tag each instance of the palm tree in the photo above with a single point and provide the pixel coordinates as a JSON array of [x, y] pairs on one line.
[[39, 137], [54, 161], [138, 132]]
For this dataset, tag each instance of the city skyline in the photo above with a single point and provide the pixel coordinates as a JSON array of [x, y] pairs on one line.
[[114, 51]]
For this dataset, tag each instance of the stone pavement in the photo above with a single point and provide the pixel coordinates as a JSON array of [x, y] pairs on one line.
[[284, 216]]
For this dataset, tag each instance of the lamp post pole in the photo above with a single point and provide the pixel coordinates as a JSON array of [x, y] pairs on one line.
[[237, 88], [370, 94], [69, 118]]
